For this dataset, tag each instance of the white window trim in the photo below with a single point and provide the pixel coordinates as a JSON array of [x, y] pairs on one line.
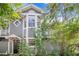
[[28, 26], [34, 20], [18, 23], [27, 29]]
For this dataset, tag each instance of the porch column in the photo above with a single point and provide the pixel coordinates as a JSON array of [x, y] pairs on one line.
[[12, 46], [9, 46]]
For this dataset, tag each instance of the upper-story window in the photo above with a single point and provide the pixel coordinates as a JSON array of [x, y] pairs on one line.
[[31, 21], [17, 23]]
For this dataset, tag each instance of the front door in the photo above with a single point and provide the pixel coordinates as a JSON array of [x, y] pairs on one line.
[[16, 46]]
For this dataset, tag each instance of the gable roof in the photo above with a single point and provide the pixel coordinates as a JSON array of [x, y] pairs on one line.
[[28, 7], [13, 35]]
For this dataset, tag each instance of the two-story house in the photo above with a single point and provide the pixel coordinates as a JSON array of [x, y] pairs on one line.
[[21, 29]]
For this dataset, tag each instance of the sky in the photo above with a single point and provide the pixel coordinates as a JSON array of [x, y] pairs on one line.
[[41, 5]]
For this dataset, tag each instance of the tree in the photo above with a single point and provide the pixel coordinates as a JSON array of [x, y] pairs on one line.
[[7, 14], [65, 32], [39, 43]]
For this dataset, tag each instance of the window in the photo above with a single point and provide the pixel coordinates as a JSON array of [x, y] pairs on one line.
[[31, 32], [31, 21], [17, 23]]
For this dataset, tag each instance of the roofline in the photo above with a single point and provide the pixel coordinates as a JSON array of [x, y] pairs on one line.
[[21, 8]]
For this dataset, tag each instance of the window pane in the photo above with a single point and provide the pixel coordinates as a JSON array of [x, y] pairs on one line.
[[31, 21], [31, 32], [17, 23]]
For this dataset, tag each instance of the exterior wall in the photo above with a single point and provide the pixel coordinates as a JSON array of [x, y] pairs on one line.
[[16, 30], [3, 46], [31, 11], [31, 30], [4, 32], [19, 30]]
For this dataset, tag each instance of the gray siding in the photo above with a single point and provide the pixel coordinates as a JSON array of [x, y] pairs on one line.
[[4, 32], [16, 30], [3, 46]]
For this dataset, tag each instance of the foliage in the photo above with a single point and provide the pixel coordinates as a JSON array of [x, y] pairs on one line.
[[7, 14], [24, 49], [64, 33], [39, 44]]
